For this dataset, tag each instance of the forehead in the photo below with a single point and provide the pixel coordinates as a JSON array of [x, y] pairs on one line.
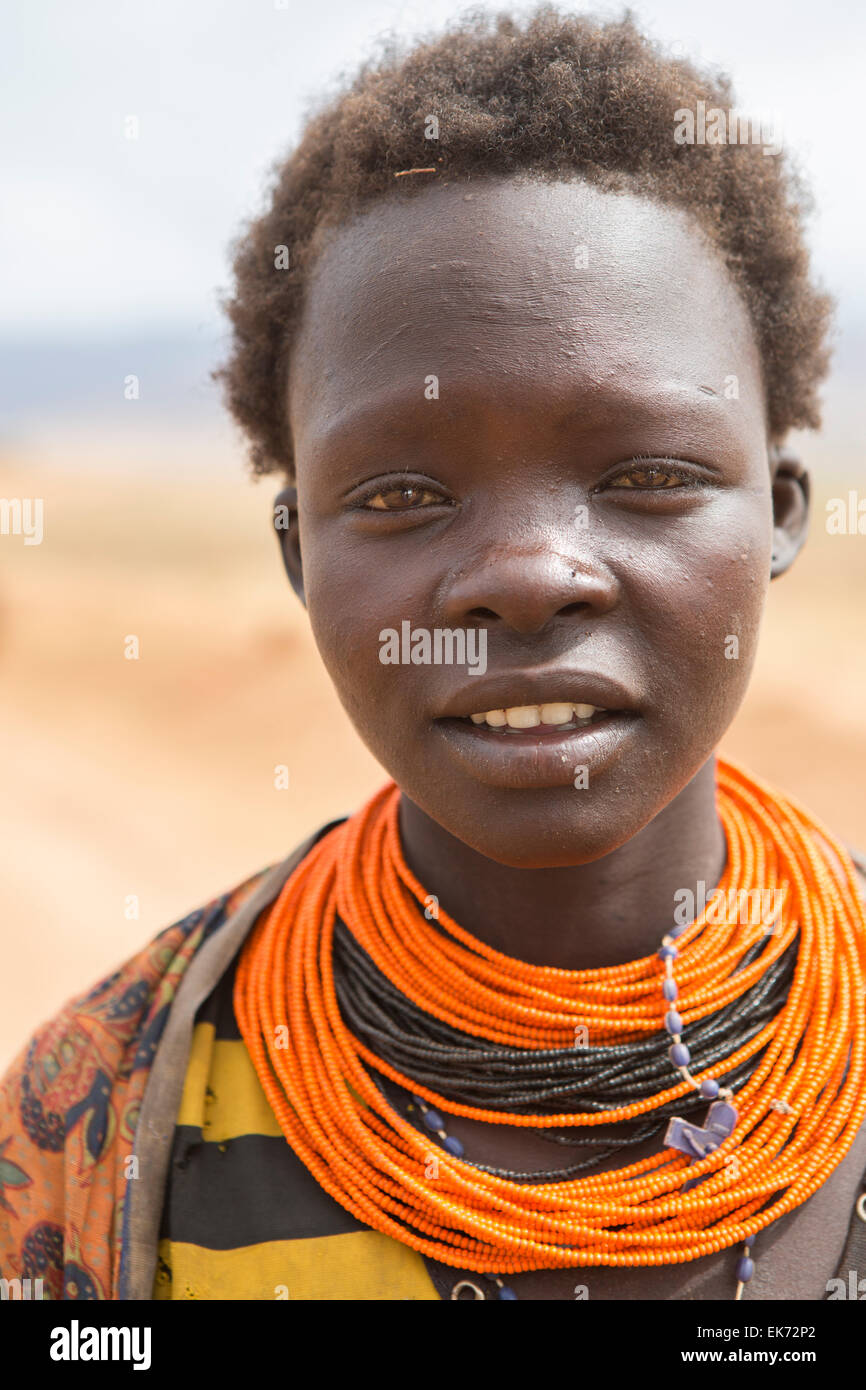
[[536, 293]]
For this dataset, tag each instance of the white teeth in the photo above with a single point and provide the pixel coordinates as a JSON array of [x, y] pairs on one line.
[[556, 714], [523, 717], [530, 716]]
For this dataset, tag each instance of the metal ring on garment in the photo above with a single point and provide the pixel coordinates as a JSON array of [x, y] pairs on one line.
[[861, 1206], [467, 1284]]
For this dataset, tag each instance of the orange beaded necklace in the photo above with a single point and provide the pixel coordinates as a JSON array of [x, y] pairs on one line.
[[797, 1115]]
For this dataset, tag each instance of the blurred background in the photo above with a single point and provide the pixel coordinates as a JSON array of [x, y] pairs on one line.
[[138, 138]]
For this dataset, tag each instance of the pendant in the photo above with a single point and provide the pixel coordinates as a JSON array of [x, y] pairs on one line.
[[697, 1142]]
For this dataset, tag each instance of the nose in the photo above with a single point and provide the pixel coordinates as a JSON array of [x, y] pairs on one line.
[[528, 588]]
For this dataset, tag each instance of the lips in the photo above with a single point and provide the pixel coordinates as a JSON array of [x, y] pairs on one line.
[[538, 757], [527, 743], [535, 689]]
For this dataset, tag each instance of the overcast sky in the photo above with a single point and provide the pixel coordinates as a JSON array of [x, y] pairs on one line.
[[100, 232]]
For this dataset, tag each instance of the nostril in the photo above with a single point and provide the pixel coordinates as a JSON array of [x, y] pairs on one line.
[[572, 609], [482, 613]]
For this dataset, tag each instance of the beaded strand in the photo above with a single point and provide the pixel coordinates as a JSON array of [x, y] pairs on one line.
[[679, 1055], [799, 1110]]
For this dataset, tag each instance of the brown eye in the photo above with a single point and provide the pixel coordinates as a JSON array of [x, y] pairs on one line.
[[650, 478], [401, 499]]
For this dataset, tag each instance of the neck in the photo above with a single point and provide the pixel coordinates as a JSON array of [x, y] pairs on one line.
[[612, 910]]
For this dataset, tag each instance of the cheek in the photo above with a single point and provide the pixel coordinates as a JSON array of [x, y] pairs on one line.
[[702, 601], [350, 599]]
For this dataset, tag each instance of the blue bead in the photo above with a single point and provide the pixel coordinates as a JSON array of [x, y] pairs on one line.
[[433, 1120], [710, 1088], [679, 1055], [416, 1100], [745, 1269], [669, 990], [453, 1145], [673, 1022], [678, 930], [668, 952], [508, 1294]]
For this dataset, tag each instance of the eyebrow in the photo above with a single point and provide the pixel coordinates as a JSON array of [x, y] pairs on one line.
[[597, 410]]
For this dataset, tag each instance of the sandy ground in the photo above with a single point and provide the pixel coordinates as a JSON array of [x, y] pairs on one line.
[[155, 777]]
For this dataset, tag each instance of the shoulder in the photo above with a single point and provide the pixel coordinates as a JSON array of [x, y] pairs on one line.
[[108, 1025], [101, 1022], [69, 1104]]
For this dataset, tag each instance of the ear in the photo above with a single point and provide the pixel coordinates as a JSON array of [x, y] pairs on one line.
[[288, 534], [791, 493]]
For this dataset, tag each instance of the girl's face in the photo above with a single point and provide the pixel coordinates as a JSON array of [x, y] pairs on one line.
[[533, 413]]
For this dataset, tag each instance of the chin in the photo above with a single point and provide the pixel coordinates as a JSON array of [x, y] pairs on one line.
[[538, 830]]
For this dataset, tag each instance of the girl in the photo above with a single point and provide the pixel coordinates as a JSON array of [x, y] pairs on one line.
[[572, 1008]]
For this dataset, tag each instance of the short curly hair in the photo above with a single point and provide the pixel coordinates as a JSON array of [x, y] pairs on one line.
[[554, 95]]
